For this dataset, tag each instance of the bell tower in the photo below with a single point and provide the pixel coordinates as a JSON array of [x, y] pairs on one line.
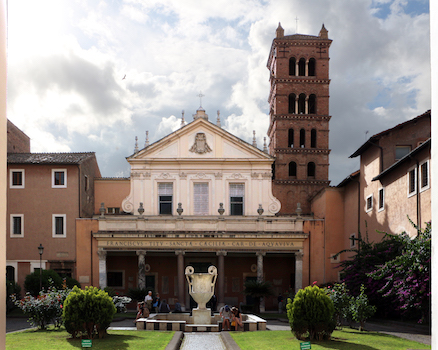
[[299, 117]]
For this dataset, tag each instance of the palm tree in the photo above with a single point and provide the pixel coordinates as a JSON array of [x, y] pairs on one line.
[[257, 290]]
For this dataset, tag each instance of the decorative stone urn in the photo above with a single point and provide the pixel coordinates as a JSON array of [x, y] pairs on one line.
[[201, 285]]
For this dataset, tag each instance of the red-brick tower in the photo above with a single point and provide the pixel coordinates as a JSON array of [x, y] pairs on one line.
[[299, 117]]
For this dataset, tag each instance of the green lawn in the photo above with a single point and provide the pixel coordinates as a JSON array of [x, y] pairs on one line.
[[60, 339], [346, 339]]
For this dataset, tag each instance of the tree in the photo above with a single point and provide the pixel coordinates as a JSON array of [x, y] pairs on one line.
[[311, 313], [407, 276], [257, 290], [361, 310]]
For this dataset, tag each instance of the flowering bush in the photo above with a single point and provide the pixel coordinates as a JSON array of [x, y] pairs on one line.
[[407, 276], [339, 294], [45, 308], [356, 270], [120, 303]]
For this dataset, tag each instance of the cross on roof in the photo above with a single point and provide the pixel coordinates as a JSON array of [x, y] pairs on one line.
[[200, 98]]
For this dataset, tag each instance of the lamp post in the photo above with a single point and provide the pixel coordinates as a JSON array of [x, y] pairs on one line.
[[40, 250]]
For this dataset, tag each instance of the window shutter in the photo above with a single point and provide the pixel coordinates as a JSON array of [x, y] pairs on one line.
[[200, 203]]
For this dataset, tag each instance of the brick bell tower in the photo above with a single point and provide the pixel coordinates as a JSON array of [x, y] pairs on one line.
[[299, 117]]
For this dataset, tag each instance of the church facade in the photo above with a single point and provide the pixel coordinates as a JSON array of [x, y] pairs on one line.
[[202, 196]]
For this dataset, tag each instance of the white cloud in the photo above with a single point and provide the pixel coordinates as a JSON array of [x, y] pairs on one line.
[[67, 60]]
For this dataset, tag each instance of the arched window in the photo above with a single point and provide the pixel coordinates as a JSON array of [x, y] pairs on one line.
[[312, 67], [292, 66], [313, 138], [312, 104], [311, 169], [292, 98], [292, 169], [302, 67], [290, 138], [302, 138], [302, 104]]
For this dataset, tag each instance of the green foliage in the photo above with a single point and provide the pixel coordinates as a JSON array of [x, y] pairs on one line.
[[310, 314], [45, 308], [88, 311], [49, 278], [111, 291], [12, 288], [139, 294], [360, 308], [341, 298], [257, 290]]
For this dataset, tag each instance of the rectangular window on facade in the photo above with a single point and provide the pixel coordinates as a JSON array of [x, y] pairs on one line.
[[86, 183], [59, 178], [114, 279], [401, 151], [412, 182], [113, 210], [200, 198], [17, 225], [165, 198], [237, 194], [424, 179], [369, 203], [16, 178], [381, 199], [59, 225]]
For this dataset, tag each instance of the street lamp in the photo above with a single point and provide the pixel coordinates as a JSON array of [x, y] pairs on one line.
[[40, 250]]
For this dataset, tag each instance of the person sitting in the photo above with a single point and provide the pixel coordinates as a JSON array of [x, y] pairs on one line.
[[164, 307], [225, 313], [236, 319], [177, 307], [142, 311]]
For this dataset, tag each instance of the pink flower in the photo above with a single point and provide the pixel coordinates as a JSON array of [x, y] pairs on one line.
[[314, 282]]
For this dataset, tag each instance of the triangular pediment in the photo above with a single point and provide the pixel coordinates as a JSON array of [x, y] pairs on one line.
[[200, 140]]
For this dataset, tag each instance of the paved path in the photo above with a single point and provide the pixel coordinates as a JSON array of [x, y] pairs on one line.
[[202, 341]]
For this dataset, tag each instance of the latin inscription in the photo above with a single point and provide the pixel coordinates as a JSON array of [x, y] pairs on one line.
[[199, 244]]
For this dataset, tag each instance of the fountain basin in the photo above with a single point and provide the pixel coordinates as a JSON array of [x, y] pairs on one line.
[[185, 323]]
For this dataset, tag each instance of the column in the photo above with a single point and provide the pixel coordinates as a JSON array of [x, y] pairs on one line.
[[307, 68], [260, 256], [298, 271], [296, 109], [221, 279], [141, 269], [181, 278], [297, 67], [102, 268], [306, 105]]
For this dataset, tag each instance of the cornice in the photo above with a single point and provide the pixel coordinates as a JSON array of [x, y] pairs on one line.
[[302, 150], [302, 182]]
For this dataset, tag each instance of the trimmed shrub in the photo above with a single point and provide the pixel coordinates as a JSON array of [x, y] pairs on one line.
[[49, 278], [88, 311], [311, 314]]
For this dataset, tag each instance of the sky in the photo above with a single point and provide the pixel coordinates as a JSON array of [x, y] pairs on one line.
[[90, 76]]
